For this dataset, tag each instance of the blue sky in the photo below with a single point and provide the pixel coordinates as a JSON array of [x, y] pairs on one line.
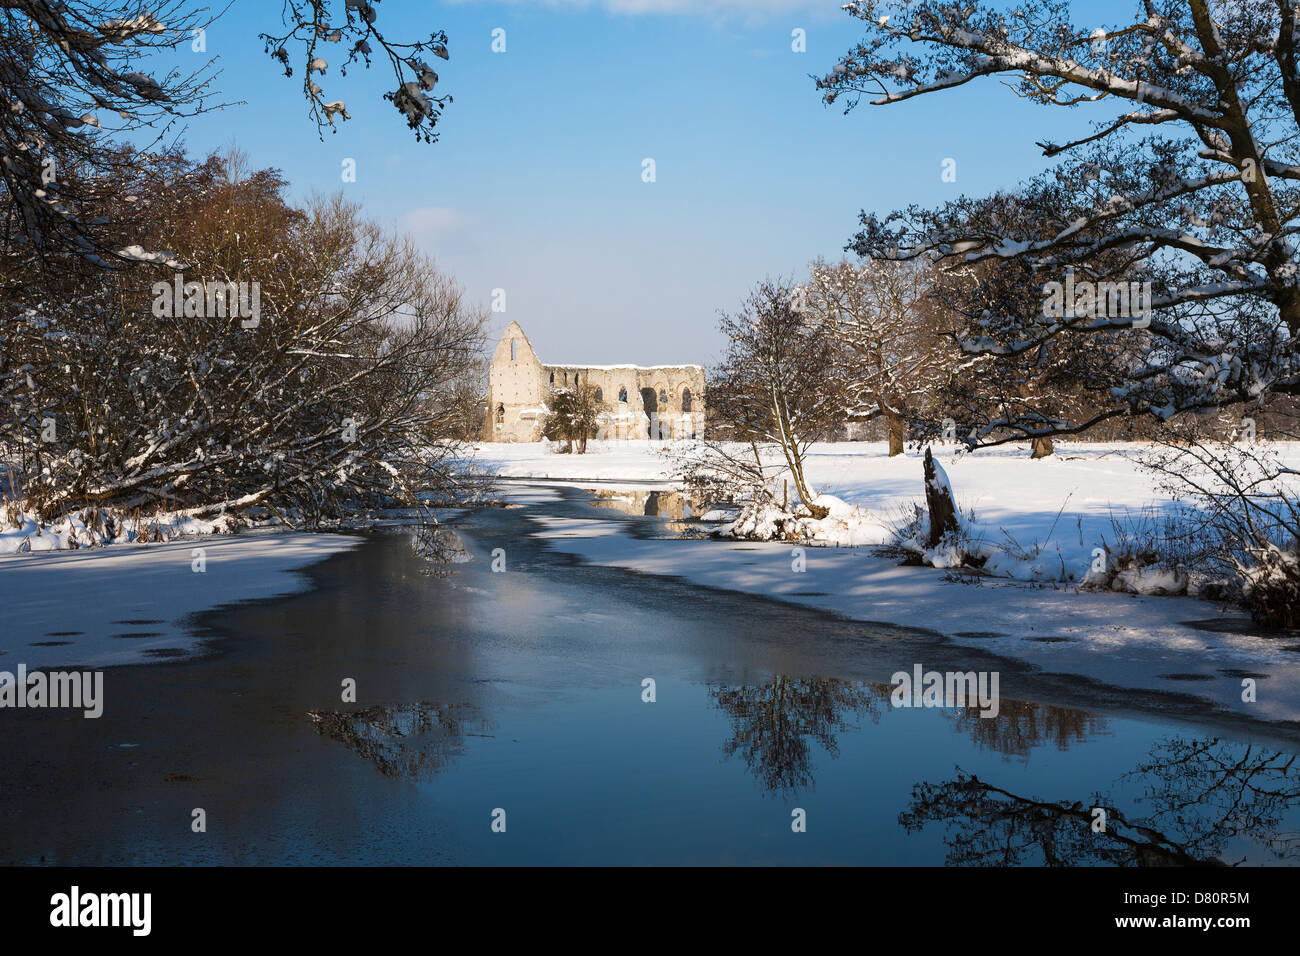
[[535, 186]]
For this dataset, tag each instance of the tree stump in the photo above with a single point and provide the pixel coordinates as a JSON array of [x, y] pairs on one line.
[[1042, 447], [938, 499]]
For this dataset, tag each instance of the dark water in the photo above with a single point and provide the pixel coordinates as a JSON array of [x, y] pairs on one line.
[[522, 691]]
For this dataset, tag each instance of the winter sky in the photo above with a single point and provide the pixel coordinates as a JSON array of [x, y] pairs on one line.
[[535, 186]]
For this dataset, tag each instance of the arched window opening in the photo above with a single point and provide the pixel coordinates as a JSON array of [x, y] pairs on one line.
[[686, 400], [514, 352], [663, 397], [501, 414], [600, 396], [622, 395], [552, 378]]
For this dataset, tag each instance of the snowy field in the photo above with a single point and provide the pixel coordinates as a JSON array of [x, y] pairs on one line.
[[128, 603], [1064, 504]]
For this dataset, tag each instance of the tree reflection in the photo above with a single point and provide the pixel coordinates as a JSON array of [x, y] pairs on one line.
[[773, 723], [1205, 794], [440, 548], [989, 826], [1216, 791], [1022, 725], [408, 740]]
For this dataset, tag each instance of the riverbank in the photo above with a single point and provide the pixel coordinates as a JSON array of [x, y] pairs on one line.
[[1139, 644], [128, 604]]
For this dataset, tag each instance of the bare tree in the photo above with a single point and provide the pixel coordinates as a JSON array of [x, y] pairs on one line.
[[895, 356], [777, 386], [1203, 206]]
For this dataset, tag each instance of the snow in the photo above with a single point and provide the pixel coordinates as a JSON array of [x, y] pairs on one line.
[[1054, 501], [140, 254], [846, 525], [610, 460], [1032, 520], [1045, 517], [89, 607], [20, 532]]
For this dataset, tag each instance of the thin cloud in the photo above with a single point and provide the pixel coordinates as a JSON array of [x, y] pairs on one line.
[[434, 217], [428, 223]]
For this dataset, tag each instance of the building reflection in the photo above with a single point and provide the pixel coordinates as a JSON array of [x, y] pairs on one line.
[[654, 504]]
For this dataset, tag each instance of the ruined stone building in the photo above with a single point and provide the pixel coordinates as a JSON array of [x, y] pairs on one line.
[[637, 402]]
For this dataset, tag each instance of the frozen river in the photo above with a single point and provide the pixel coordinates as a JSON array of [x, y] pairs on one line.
[[520, 697]]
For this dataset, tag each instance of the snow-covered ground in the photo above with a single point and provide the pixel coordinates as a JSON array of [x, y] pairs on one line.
[[1043, 519], [1063, 504], [125, 604], [21, 532]]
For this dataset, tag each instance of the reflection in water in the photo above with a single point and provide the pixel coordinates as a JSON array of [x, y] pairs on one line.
[[1215, 790], [1204, 793], [772, 723], [681, 510], [408, 740], [440, 547], [1022, 725], [655, 504], [989, 826]]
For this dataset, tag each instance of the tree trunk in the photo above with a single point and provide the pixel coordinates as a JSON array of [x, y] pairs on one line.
[[897, 433], [1042, 447], [938, 498], [790, 448]]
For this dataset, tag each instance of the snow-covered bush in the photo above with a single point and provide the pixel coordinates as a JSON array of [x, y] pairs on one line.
[[92, 527], [1271, 586], [1154, 551], [1239, 534], [340, 394], [843, 525]]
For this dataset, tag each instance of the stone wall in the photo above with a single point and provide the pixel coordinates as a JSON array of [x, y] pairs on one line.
[[667, 400]]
